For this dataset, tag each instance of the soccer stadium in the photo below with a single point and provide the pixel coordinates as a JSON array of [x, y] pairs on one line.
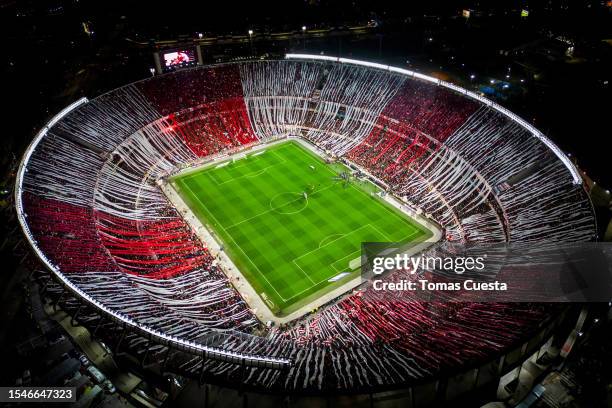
[[209, 221]]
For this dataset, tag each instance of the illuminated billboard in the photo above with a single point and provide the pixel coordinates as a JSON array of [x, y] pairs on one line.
[[179, 58]]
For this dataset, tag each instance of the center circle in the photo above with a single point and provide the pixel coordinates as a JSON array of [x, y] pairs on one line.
[[288, 203]]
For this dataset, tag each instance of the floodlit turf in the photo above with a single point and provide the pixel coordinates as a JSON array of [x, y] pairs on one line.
[[288, 244]]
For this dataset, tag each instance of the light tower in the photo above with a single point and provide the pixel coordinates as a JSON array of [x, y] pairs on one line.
[[251, 41]]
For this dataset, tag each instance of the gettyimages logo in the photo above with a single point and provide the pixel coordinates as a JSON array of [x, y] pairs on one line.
[[379, 258], [413, 264]]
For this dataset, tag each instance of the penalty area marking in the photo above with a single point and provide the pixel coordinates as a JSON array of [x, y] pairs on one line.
[[215, 178], [316, 249], [329, 236]]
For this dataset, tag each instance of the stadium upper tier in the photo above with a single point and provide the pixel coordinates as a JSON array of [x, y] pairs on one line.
[[89, 201]]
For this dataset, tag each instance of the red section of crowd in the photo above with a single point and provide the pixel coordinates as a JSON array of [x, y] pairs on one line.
[[435, 111], [409, 128], [215, 126], [160, 249], [435, 335], [67, 235], [391, 148], [174, 92]]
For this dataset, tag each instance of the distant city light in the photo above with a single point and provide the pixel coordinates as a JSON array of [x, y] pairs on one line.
[[430, 39], [472, 76], [492, 81], [303, 28], [250, 32], [522, 80]]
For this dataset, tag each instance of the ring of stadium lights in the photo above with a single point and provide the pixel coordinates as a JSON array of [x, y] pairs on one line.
[[148, 332], [535, 132]]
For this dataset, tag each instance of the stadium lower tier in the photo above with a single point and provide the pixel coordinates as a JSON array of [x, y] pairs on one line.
[[89, 193]]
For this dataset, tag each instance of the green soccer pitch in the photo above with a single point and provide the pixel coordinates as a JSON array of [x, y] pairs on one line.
[[289, 222]]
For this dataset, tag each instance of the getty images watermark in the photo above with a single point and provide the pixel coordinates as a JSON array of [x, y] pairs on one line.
[[450, 272], [413, 264]]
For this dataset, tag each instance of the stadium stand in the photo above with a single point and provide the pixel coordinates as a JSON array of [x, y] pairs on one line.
[[94, 207]]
